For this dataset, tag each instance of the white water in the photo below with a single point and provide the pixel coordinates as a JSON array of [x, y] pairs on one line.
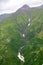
[[28, 24], [21, 57], [22, 47], [23, 35], [29, 20]]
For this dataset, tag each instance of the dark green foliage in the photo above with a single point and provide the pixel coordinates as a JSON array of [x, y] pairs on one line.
[[11, 39]]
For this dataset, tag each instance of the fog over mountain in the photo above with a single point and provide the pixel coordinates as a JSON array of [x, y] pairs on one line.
[[9, 6], [25, 8]]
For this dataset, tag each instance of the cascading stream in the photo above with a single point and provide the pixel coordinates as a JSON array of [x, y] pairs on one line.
[[24, 36]]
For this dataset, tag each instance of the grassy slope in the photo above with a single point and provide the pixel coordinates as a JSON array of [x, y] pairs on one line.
[[11, 40]]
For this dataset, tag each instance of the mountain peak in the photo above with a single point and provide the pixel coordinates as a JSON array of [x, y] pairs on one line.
[[25, 6]]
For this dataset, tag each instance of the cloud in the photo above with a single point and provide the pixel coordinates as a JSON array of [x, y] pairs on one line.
[[9, 6], [34, 3], [3, 0]]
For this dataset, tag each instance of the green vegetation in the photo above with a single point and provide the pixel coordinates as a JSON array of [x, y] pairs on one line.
[[11, 39]]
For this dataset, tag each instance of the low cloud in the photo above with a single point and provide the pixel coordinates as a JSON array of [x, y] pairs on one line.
[[3, 0], [9, 6]]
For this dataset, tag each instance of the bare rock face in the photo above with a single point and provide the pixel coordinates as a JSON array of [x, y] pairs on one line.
[[25, 7]]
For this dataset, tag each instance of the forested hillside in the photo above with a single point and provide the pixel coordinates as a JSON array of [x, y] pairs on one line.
[[11, 38]]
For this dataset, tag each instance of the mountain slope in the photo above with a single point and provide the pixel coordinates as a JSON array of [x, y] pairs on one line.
[[11, 38], [4, 16]]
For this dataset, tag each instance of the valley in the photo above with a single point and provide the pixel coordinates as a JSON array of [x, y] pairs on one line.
[[21, 38]]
